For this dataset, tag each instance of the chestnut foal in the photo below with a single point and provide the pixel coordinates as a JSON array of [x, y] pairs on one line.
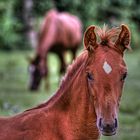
[[87, 101]]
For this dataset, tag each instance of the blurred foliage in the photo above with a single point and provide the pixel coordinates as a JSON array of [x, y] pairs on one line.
[[98, 12]]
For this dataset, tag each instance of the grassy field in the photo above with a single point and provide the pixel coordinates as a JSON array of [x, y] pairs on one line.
[[15, 97]]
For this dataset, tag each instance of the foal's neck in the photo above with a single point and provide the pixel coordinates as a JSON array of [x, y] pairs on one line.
[[75, 102]]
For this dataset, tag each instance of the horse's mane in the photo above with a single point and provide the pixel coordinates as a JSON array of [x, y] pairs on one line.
[[107, 36], [71, 71]]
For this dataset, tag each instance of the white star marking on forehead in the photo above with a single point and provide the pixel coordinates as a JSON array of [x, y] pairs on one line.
[[107, 68]]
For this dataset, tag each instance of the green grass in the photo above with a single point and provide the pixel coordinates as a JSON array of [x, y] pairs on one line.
[[15, 96]]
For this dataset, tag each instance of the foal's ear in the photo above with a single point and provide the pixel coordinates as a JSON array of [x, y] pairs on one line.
[[123, 41], [90, 39]]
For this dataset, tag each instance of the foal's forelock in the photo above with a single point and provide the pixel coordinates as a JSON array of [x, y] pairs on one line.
[[107, 36]]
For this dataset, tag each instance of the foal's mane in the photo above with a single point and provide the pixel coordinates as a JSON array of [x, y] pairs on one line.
[[65, 82]]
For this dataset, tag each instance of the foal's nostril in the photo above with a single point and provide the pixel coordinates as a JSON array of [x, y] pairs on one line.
[[116, 123], [100, 122]]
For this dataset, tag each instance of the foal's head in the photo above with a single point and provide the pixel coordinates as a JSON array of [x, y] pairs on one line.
[[37, 70], [106, 73]]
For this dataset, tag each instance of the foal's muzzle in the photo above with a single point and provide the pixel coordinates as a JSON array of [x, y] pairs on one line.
[[108, 129]]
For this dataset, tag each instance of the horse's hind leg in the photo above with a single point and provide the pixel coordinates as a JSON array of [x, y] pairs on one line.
[[46, 77], [74, 50], [47, 85], [62, 63]]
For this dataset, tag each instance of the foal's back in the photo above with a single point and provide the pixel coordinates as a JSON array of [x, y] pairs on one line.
[[35, 124], [25, 126]]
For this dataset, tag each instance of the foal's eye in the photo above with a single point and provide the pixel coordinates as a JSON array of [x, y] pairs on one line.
[[90, 76], [124, 76]]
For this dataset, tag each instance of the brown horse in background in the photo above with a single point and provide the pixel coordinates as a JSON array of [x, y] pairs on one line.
[[87, 101], [60, 31]]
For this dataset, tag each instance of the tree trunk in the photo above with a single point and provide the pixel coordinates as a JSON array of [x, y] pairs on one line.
[[30, 33]]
